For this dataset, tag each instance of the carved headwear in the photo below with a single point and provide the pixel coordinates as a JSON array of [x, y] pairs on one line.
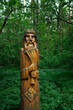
[[30, 32]]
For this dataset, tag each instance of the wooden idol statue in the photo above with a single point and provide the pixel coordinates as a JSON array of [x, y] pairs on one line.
[[30, 94]]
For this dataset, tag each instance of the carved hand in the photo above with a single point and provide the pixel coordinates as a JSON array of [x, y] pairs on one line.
[[35, 74], [33, 67]]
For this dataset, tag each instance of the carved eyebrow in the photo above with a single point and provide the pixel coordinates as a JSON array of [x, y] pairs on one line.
[[33, 36]]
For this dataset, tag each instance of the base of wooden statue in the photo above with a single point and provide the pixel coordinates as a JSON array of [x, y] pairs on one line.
[[30, 96]]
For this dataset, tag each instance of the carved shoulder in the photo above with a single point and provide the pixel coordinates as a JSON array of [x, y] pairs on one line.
[[37, 57], [22, 49], [37, 52], [22, 58]]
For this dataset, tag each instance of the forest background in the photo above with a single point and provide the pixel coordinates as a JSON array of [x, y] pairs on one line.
[[53, 22]]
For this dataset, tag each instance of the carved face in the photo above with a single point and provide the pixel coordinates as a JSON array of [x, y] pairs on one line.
[[30, 41]]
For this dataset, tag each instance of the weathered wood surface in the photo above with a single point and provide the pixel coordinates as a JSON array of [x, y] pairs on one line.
[[30, 94]]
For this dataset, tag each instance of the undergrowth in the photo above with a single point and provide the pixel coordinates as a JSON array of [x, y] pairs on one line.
[[56, 89]]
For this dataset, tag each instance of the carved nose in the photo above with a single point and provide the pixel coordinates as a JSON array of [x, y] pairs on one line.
[[30, 38]]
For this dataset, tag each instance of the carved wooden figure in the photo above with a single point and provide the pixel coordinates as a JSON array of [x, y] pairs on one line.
[[30, 94]]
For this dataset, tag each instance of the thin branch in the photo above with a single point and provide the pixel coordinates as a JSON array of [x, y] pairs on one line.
[[64, 20], [5, 20]]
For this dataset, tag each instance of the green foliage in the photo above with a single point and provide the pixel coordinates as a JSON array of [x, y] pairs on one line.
[[9, 89], [56, 89]]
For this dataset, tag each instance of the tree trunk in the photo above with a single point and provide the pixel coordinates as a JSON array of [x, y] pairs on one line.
[[58, 20], [69, 14]]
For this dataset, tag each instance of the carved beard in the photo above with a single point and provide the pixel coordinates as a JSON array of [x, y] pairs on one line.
[[30, 45]]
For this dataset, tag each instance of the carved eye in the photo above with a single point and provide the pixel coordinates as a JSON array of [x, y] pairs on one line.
[[33, 36], [27, 36]]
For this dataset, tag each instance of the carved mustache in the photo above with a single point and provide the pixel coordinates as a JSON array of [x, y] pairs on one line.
[[30, 42]]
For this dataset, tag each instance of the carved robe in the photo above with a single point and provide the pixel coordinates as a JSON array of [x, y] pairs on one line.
[[30, 96]]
